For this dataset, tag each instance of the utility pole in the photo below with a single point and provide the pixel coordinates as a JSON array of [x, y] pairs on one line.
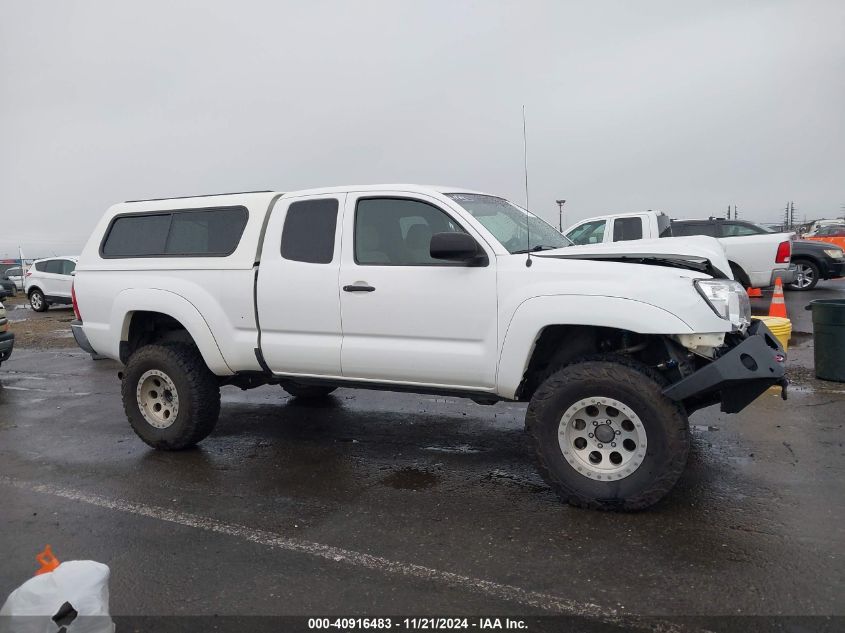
[[791, 215], [728, 216], [786, 218], [560, 204]]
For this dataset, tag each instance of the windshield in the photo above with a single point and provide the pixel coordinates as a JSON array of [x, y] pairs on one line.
[[510, 224]]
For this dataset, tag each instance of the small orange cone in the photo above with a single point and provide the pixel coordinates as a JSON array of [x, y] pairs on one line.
[[753, 292], [47, 560], [778, 307]]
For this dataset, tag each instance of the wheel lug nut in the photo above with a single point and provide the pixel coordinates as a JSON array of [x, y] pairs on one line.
[[601, 445], [618, 432], [613, 444], [591, 435], [595, 423]]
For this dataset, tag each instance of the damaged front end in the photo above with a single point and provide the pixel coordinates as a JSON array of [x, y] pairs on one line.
[[744, 367]]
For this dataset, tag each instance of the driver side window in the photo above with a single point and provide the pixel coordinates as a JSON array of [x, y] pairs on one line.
[[588, 233], [397, 232]]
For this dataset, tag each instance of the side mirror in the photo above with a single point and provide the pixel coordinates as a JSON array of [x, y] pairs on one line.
[[457, 247]]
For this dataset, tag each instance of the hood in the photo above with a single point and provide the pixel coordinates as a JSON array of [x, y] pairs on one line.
[[812, 245], [697, 252]]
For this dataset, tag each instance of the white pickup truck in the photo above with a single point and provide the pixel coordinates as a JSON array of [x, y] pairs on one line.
[[756, 260], [428, 290]]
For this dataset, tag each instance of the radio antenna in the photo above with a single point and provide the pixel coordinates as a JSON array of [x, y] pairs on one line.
[[525, 167]]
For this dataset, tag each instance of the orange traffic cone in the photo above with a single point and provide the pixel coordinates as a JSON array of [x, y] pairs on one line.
[[753, 292], [778, 307], [47, 560]]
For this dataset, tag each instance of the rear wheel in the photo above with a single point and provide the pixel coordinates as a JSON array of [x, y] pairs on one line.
[[606, 437], [171, 398], [37, 301], [807, 275], [298, 390]]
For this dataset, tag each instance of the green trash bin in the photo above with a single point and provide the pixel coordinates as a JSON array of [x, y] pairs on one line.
[[829, 338]]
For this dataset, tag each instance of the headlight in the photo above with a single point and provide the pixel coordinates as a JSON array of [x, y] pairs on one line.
[[727, 298], [835, 253]]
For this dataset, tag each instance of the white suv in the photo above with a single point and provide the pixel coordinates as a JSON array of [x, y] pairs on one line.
[[49, 281]]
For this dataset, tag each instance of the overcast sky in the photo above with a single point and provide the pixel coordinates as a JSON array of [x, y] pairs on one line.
[[680, 106]]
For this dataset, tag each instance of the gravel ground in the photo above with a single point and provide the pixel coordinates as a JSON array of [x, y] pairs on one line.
[[39, 330]]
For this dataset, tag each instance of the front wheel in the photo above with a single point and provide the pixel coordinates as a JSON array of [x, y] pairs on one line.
[[606, 437], [807, 275], [171, 398], [37, 301]]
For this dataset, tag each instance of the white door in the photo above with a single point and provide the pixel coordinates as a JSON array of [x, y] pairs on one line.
[[47, 276], [55, 280], [407, 317], [297, 292], [64, 280]]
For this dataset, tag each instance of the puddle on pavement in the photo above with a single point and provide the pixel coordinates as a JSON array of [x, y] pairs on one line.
[[460, 449], [410, 479], [704, 427], [532, 482]]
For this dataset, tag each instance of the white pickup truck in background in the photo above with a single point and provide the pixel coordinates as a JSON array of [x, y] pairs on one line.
[[756, 260], [427, 290]]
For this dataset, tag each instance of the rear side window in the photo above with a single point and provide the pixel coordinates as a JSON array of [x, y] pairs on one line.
[[213, 232], [627, 229], [308, 234], [137, 236], [735, 230], [684, 229], [53, 266], [67, 267], [41, 267]]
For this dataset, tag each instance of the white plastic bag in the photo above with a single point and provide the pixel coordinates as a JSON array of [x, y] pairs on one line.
[[74, 596]]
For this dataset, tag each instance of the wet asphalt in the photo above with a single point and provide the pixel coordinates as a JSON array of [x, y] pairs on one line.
[[378, 503]]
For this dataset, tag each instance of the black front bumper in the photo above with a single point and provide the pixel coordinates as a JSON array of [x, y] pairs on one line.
[[835, 269], [738, 376], [7, 342]]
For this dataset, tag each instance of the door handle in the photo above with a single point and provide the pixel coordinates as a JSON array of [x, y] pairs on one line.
[[358, 288]]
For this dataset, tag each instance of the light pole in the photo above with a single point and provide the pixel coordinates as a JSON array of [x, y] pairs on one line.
[[560, 204]]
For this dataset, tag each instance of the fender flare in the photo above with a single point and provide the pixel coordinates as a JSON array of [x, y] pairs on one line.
[[533, 315], [132, 300], [735, 267]]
